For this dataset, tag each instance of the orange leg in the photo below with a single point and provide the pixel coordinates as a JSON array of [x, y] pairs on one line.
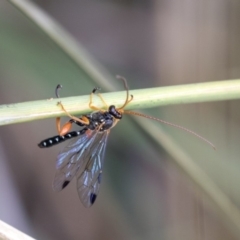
[[91, 101], [84, 120], [67, 126], [64, 129], [103, 101]]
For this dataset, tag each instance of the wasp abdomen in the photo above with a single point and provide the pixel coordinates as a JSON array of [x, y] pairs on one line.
[[58, 139]]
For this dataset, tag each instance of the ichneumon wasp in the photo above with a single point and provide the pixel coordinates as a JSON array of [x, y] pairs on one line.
[[83, 157]]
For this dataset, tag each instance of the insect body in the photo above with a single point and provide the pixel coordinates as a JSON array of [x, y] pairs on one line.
[[106, 119], [83, 157]]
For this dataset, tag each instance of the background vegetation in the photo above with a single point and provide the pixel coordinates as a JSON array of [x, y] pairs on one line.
[[145, 193]]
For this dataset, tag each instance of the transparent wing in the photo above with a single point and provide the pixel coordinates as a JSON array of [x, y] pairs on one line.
[[74, 157], [88, 181]]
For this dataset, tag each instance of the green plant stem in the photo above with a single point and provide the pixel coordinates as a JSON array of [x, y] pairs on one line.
[[144, 98]]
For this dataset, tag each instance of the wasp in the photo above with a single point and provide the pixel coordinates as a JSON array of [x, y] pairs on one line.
[[83, 157]]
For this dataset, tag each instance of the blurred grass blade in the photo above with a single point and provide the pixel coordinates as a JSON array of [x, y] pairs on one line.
[[228, 212], [7, 232], [65, 41]]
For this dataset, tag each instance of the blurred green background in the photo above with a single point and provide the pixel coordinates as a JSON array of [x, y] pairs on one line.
[[143, 194]]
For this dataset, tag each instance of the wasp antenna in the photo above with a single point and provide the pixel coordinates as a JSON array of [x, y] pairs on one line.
[[173, 125], [127, 90], [58, 87]]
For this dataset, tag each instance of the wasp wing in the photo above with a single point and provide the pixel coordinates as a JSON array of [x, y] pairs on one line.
[[73, 158], [88, 181]]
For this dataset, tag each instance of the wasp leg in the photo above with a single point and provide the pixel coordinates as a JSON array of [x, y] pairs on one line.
[[67, 126], [100, 96]]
